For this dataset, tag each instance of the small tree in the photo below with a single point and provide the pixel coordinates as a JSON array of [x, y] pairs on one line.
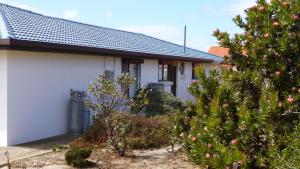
[[253, 113], [109, 99]]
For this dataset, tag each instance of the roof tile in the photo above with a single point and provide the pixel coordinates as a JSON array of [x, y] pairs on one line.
[[26, 25]]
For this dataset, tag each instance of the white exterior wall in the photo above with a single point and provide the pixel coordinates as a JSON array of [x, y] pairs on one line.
[[184, 80], [149, 72], [3, 98], [39, 90], [35, 89]]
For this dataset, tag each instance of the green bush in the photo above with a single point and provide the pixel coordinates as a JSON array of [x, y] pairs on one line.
[[96, 133], [248, 118], [161, 103], [77, 157], [149, 132], [289, 157], [143, 132]]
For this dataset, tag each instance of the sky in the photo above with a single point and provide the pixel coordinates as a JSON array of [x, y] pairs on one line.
[[163, 19]]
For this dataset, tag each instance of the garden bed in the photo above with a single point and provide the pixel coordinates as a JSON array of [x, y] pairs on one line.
[[162, 158]]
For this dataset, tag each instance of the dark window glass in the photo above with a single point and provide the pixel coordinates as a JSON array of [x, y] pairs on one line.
[[194, 77], [163, 70], [135, 70]]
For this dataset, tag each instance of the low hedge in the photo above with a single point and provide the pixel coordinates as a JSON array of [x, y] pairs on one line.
[[145, 132]]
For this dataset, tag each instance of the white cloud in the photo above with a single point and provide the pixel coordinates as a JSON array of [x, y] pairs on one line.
[[108, 14], [26, 6], [19, 4], [70, 14], [238, 6]]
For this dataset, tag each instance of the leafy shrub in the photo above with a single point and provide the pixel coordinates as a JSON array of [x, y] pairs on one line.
[[221, 130], [143, 132], [77, 157], [149, 132], [161, 103], [108, 103], [289, 157], [97, 133], [248, 118], [58, 147]]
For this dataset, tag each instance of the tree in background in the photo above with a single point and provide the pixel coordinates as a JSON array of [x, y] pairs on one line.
[[249, 119]]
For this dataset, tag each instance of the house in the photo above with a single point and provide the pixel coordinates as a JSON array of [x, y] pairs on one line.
[[42, 58]]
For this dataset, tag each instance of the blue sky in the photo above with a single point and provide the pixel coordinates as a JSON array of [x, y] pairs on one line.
[[164, 19]]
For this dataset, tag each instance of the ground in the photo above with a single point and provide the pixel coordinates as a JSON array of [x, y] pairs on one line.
[[40, 155], [162, 158]]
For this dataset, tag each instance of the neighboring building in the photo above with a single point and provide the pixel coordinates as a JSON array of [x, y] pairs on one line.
[[42, 58], [219, 51]]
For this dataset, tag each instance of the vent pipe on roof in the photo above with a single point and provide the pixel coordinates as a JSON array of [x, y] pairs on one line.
[[184, 46]]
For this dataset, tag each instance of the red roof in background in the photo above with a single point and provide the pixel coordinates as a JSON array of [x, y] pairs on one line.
[[218, 51]]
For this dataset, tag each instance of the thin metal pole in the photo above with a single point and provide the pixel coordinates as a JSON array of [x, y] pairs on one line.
[[184, 47]]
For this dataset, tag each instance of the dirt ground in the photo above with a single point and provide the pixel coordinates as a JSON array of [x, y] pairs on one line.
[[162, 158]]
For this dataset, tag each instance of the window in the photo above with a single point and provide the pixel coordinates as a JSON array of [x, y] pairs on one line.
[[193, 72], [181, 68], [163, 70], [135, 70]]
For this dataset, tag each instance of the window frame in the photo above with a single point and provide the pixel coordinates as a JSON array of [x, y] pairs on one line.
[[194, 65], [125, 69], [162, 74]]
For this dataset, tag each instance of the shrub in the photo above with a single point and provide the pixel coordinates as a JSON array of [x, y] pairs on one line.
[[58, 147], [143, 132], [108, 103], [161, 103], [77, 157], [149, 132], [248, 117], [223, 130], [97, 133], [289, 157]]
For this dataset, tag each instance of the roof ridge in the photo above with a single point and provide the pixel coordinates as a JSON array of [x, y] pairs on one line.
[[97, 26], [172, 47], [53, 17], [72, 21]]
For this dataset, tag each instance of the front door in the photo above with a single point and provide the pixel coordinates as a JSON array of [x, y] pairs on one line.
[[173, 78]]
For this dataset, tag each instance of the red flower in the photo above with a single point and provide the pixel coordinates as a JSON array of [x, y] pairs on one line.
[[280, 104], [234, 141], [275, 24], [225, 106], [266, 35], [295, 17], [209, 145], [261, 8], [277, 73], [194, 138], [285, 3], [207, 155], [290, 99]]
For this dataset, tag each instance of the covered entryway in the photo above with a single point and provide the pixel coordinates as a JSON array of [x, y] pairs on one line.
[[167, 74]]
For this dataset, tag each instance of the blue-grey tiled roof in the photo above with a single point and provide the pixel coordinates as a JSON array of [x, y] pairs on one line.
[[21, 24]]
